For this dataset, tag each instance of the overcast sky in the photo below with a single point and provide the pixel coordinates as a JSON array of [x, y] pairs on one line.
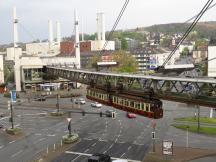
[[34, 14]]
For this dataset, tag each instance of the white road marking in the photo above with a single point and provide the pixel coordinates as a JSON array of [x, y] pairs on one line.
[[129, 147], [116, 140], [1, 146], [102, 140], [85, 154], [94, 144], [88, 139], [51, 135], [41, 139], [38, 134], [11, 142], [122, 155], [16, 153], [86, 150], [75, 158], [111, 146]]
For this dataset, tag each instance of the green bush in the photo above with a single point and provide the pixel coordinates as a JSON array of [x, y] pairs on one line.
[[13, 131], [70, 139]]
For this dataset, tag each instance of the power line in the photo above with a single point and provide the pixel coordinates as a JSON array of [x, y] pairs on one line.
[[204, 9], [115, 24]]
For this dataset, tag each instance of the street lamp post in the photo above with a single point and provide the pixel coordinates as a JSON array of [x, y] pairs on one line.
[[57, 104], [12, 121]]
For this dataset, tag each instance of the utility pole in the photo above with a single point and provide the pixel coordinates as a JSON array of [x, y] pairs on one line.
[[57, 102], [11, 118], [69, 124], [153, 136], [198, 119]]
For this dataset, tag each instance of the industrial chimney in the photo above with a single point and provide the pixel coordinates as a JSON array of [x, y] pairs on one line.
[[15, 22], [58, 32], [77, 46], [50, 33], [101, 26]]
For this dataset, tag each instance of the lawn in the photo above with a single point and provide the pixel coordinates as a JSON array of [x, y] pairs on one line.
[[193, 128], [195, 119]]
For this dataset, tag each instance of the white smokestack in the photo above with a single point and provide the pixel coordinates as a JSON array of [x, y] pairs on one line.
[[58, 32], [15, 22], [77, 47], [50, 32], [101, 26], [82, 32]]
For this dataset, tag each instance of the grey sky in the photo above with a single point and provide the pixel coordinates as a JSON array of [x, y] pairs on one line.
[[34, 14]]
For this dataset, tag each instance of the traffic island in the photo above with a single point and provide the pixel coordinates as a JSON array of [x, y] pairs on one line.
[[57, 113], [68, 139], [14, 131]]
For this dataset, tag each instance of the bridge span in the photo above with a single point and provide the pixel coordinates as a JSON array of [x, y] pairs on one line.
[[198, 91]]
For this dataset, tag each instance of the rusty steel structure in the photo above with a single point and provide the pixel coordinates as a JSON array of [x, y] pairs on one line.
[[198, 91]]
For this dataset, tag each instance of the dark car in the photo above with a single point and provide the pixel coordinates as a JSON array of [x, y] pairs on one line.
[[2, 115], [40, 98], [99, 158], [109, 113]]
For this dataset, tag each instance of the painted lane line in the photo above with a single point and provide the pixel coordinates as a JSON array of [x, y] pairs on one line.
[[51, 135], [129, 147], [116, 140], [75, 158], [94, 144], [16, 153], [111, 146], [41, 139], [1, 146], [38, 134], [12, 142], [102, 140], [105, 152], [86, 150], [122, 155], [88, 139], [5, 118]]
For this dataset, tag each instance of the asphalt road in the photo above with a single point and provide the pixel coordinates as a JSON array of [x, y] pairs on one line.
[[121, 137]]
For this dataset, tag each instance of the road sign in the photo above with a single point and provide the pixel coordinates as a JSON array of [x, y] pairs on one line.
[[13, 96], [69, 119], [167, 148]]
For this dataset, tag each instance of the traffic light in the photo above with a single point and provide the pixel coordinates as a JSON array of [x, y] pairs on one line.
[[101, 114], [83, 113], [153, 135], [113, 115]]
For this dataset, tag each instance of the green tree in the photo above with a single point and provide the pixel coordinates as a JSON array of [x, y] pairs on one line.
[[93, 61], [166, 42], [126, 62], [185, 52], [124, 44]]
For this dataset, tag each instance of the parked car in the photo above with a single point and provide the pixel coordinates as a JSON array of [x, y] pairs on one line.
[[99, 158], [131, 115], [80, 101], [96, 104]]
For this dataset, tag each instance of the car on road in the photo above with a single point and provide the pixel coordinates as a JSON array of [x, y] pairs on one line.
[[2, 115], [42, 98], [80, 101], [96, 104], [99, 158], [109, 113], [131, 115]]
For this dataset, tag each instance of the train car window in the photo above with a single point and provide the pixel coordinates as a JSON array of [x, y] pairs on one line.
[[142, 106], [114, 99], [147, 107], [137, 105], [132, 104], [126, 103]]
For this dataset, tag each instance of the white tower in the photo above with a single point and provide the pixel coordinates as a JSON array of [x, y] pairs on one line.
[[77, 46], [101, 26], [15, 22], [50, 33], [58, 32]]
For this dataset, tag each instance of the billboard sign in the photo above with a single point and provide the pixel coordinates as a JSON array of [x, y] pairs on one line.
[[167, 148]]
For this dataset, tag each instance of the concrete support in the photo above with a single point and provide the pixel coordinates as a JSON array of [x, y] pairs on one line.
[[211, 113], [17, 68], [100, 26], [50, 33], [58, 33]]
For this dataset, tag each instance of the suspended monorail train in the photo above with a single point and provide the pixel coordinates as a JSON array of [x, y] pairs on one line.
[[148, 107]]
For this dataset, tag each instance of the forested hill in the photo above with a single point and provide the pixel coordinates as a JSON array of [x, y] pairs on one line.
[[205, 29]]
